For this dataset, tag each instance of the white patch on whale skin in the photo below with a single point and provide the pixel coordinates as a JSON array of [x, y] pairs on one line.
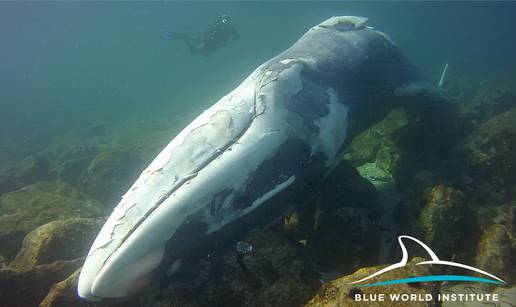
[[287, 61], [174, 267], [332, 128], [265, 197], [354, 22]]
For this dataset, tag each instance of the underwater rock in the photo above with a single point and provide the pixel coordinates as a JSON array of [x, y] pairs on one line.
[[3, 263], [74, 163], [494, 253], [25, 209], [64, 293], [346, 186], [412, 137], [344, 240], [275, 274], [334, 225], [487, 154], [27, 287], [36, 169], [58, 240], [443, 220], [8, 183], [110, 174], [340, 293], [486, 103], [506, 296], [511, 222], [380, 142]]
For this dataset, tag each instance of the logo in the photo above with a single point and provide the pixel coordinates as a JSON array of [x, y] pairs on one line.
[[487, 277]]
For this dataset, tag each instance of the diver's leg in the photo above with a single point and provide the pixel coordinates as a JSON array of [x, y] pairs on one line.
[[193, 43]]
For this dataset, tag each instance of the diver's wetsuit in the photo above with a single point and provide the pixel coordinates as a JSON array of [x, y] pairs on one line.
[[219, 32]]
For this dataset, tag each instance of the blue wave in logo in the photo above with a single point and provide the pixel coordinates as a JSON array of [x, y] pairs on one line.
[[435, 261], [433, 278]]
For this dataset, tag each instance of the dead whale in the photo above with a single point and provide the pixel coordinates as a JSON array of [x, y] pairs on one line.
[[274, 135]]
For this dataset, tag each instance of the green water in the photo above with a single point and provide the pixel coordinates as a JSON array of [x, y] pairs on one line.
[[69, 65]]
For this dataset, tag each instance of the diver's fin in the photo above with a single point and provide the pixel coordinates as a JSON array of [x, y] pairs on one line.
[[172, 35]]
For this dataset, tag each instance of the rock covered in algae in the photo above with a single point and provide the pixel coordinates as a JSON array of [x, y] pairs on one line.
[[381, 142], [343, 240], [338, 226], [511, 220], [488, 156], [8, 183], [110, 174], [28, 287], [23, 210], [64, 293], [274, 273], [410, 137], [74, 162], [37, 168], [495, 253], [506, 296], [340, 292], [486, 103], [443, 220], [58, 240]]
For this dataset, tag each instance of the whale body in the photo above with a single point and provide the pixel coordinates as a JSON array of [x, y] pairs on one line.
[[281, 128]]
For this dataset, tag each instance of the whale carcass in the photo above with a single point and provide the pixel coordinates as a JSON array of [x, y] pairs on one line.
[[280, 130]]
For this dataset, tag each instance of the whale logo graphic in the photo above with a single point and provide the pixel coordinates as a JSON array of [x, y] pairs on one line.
[[435, 260]]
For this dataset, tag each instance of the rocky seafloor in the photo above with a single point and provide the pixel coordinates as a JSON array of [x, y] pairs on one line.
[[442, 171]]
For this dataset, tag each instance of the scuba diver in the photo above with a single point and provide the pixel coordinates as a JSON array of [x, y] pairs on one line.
[[217, 35]]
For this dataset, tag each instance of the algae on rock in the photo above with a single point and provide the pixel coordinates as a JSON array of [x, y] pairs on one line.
[[495, 253], [340, 292], [444, 220], [380, 142], [275, 274], [27, 287], [57, 240], [25, 209], [488, 157], [109, 175]]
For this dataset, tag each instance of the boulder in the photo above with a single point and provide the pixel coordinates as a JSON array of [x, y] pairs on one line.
[[37, 168], [511, 220], [110, 174], [73, 163], [486, 103], [23, 210], [487, 156], [274, 273], [343, 240], [3, 263], [64, 293], [444, 221], [381, 142], [338, 225], [410, 138], [58, 240], [494, 253], [506, 296], [340, 292], [28, 287], [8, 183]]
